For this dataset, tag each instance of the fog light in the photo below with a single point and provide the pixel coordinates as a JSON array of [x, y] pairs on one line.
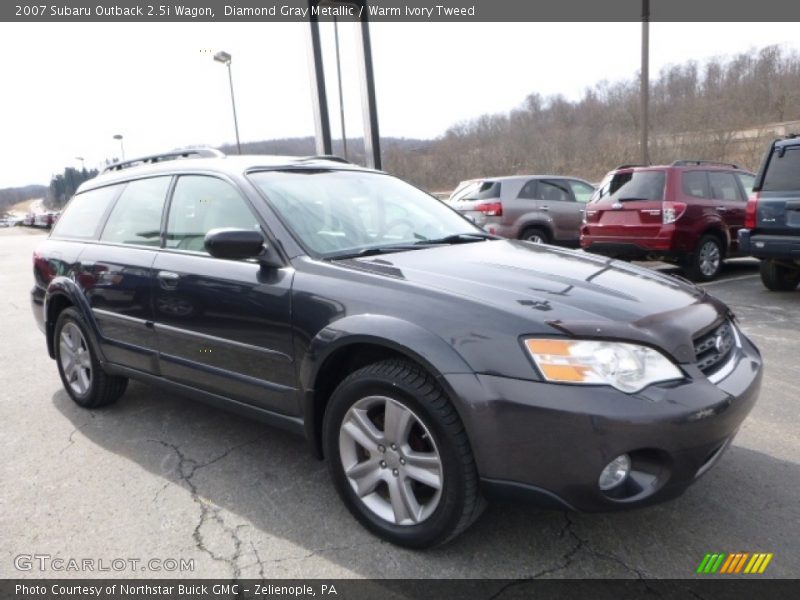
[[615, 472]]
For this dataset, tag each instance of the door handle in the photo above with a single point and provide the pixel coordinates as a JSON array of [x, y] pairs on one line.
[[722, 209], [544, 208], [168, 276]]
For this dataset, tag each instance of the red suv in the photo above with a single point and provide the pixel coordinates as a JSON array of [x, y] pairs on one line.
[[688, 213]]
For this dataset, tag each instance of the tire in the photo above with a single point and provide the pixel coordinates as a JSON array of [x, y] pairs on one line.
[[777, 277], [85, 382], [434, 432], [537, 235], [705, 263]]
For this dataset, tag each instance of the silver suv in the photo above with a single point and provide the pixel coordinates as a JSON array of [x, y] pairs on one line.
[[537, 208]]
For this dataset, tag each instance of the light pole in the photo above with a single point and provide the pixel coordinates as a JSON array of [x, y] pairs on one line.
[[225, 58], [339, 79], [121, 146], [83, 163], [644, 92]]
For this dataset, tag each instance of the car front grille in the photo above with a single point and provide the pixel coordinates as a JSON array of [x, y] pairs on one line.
[[712, 349]]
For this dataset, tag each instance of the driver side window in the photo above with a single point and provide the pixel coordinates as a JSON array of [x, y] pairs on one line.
[[200, 204]]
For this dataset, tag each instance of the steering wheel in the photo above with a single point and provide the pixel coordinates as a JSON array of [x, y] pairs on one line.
[[395, 224]]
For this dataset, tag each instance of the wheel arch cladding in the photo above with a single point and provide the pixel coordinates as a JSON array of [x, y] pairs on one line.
[[354, 342], [63, 293]]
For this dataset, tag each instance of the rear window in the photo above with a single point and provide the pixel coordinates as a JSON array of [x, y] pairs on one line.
[[487, 190], [463, 193], [633, 185], [783, 172], [81, 218]]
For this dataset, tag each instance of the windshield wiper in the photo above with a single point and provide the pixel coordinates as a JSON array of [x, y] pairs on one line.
[[459, 238], [373, 250], [456, 238]]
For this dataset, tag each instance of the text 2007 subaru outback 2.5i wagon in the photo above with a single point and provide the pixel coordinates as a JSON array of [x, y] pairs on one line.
[[432, 365]]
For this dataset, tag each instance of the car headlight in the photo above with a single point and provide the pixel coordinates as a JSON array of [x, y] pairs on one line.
[[627, 367]]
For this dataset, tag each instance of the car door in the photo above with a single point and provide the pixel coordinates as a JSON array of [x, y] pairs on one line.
[[222, 325], [730, 202], [116, 274], [556, 198]]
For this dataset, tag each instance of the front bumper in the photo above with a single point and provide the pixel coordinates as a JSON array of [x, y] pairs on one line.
[[548, 443]]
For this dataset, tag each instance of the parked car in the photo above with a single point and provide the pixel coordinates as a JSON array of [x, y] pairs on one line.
[[432, 364], [45, 219], [29, 220], [462, 189], [688, 213], [8, 221], [772, 221], [536, 208]]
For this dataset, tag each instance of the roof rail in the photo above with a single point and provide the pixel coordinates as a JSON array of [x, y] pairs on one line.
[[331, 157], [628, 166], [688, 163], [174, 155]]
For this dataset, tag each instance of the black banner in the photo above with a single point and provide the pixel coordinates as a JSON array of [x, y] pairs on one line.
[[401, 10], [391, 589]]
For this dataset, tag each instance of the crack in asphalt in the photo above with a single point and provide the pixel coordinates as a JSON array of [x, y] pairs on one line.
[[568, 558], [72, 433], [187, 469], [313, 552], [259, 561]]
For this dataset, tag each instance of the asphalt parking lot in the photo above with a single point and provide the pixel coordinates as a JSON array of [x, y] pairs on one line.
[[157, 476]]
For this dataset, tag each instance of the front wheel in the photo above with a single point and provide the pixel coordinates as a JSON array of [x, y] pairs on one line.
[[778, 277], [399, 456], [83, 377]]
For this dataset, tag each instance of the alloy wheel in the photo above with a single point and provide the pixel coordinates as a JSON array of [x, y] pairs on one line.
[[391, 460], [709, 258], [75, 358]]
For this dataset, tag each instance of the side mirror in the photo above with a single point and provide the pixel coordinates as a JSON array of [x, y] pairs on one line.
[[234, 243]]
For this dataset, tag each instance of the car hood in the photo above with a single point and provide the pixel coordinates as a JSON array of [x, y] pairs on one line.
[[548, 289]]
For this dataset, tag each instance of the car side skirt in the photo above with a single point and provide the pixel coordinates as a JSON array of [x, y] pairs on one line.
[[285, 422]]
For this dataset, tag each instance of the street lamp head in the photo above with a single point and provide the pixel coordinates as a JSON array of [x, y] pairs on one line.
[[223, 57], [118, 136]]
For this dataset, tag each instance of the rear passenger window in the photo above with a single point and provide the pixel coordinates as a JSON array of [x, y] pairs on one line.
[[528, 191], [200, 204], [555, 191], [695, 183], [136, 217], [783, 172], [723, 186], [82, 216]]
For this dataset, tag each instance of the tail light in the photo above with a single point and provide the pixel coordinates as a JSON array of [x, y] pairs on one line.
[[42, 266], [672, 211], [491, 209], [750, 212]]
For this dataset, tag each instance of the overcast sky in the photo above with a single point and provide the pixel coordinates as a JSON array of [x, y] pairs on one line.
[[68, 88]]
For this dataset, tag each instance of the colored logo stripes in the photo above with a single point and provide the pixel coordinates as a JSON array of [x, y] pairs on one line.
[[738, 562]]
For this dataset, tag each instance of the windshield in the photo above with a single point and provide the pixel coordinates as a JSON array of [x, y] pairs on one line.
[[333, 213], [632, 185]]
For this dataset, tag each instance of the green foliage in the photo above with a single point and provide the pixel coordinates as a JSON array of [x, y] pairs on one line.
[[63, 186]]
